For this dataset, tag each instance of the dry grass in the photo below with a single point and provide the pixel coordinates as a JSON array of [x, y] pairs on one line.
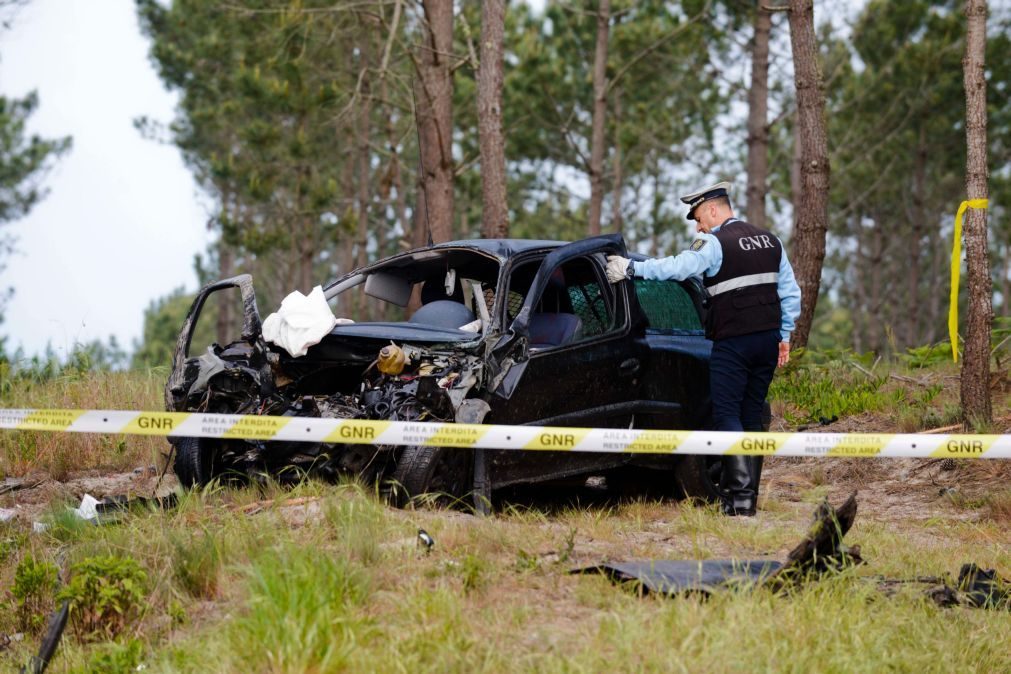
[[59, 455], [347, 588], [998, 508]]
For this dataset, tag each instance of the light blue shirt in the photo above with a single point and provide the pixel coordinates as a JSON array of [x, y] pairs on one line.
[[705, 260]]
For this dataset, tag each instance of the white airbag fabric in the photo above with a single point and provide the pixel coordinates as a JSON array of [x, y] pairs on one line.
[[302, 321]]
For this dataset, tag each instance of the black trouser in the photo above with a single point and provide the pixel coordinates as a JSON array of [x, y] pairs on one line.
[[740, 371]]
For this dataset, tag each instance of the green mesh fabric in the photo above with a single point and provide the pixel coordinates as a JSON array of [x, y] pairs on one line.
[[591, 307], [667, 305]]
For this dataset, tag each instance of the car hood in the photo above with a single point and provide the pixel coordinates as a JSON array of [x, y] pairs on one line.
[[362, 341]]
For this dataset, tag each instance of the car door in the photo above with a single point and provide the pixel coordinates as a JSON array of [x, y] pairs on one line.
[[578, 350]]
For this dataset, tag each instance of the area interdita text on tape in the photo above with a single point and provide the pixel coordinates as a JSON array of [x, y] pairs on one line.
[[488, 436]]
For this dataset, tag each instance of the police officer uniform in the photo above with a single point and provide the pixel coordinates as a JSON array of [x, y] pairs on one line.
[[754, 301]]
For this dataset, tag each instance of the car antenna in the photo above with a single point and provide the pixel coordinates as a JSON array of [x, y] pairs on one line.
[[421, 159]]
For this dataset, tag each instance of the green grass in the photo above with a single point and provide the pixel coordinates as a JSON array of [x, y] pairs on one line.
[[811, 389], [348, 589], [916, 391]]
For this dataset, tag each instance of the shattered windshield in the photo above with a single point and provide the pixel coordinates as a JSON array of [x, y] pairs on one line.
[[449, 289]]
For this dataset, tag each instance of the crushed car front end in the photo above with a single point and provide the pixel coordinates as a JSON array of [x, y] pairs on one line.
[[424, 368]]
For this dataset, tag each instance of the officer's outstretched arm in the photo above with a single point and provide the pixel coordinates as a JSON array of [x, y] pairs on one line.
[[702, 258]]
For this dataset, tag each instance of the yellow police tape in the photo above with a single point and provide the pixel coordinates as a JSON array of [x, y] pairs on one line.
[[956, 265], [482, 436]]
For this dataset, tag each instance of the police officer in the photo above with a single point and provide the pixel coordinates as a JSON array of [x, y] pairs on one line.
[[754, 300]]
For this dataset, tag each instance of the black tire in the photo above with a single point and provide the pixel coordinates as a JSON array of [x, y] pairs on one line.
[[698, 477], [445, 473], [194, 462]]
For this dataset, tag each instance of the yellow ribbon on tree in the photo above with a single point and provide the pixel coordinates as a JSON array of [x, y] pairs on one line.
[[956, 264]]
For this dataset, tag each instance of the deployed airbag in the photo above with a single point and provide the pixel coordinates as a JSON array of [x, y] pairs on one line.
[[301, 322]]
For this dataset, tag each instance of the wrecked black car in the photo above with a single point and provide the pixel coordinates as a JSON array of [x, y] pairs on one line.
[[508, 332]]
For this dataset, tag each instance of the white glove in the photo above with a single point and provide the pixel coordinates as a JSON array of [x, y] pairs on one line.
[[617, 268]]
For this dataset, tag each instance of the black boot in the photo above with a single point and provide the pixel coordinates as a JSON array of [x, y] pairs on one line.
[[736, 483]]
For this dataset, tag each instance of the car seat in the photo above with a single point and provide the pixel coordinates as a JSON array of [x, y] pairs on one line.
[[550, 329], [443, 314]]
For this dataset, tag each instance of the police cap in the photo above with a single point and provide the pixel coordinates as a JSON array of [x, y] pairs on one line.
[[696, 198]]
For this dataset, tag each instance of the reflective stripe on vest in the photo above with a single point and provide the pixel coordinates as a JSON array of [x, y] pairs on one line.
[[743, 282]]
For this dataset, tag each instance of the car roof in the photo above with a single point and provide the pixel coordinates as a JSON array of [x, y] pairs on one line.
[[502, 248]]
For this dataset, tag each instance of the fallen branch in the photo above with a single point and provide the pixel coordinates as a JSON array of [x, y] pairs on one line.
[[17, 483], [955, 427], [942, 429], [911, 380]]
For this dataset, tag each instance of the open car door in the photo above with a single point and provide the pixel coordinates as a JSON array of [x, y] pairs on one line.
[[578, 348]]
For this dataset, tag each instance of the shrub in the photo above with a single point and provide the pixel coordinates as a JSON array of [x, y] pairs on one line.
[[196, 563], [11, 542], [114, 658], [105, 595], [472, 572], [818, 392], [357, 522], [301, 614], [34, 585]]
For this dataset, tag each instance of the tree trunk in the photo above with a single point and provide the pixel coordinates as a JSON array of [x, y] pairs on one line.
[[913, 309], [401, 203], [226, 260], [599, 116], [421, 236], [795, 161], [812, 219], [654, 240], [938, 286], [617, 222], [393, 188], [224, 324], [976, 362], [494, 209], [345, 251], [758, 128], [364, 192], [1005, 283], [859, 288], [306, 256], [435, 119], [876, 295]]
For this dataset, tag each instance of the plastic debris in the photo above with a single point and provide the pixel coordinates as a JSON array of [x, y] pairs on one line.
[[87, 509], [425, 540], [821, 549]]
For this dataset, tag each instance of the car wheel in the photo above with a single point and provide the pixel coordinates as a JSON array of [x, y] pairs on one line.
[[698, 477], [445, 473], [194, 462]]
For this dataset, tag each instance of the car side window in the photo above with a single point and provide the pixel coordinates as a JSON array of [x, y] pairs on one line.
[[667, 305], [591, 302], [575, 305]]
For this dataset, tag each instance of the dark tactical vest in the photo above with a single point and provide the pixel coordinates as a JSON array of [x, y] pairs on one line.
[[742, 295]]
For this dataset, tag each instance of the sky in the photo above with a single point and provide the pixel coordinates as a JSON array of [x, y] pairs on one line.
[[124, 217]]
